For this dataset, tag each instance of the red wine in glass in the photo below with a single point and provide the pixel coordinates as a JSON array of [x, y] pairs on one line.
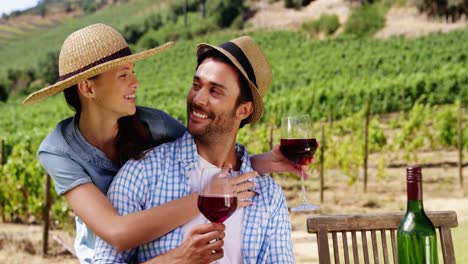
[[299, 151], [217, 208], [298, 146]]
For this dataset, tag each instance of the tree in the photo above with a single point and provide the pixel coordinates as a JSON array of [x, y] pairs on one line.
[[203, 8], [48, 67], [3, 93]]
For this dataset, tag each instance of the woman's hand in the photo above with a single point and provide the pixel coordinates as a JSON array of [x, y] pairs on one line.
[[198, 248], [275, 161], [244, 188]]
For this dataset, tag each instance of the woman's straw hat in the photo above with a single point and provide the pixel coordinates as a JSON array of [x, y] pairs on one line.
[[249, 58], [88, 52]]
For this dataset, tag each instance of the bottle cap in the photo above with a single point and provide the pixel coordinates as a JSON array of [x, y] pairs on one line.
[[413, 174]]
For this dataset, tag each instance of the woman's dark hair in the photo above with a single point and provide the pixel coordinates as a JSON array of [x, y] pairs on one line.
[[72, 98], [133, 138], [245, 94]]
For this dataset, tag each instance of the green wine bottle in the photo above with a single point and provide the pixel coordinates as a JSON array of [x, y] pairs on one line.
[[417, 243]]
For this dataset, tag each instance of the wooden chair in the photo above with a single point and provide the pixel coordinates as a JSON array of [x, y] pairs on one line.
[[360, 225]]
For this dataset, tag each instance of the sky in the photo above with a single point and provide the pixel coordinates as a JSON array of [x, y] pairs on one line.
[[7, 6]]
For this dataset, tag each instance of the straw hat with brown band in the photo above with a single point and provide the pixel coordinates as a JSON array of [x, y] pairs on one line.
[[88, 52], [249, 58]]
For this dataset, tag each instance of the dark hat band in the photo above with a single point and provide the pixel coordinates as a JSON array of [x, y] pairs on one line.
[[116, 55], [235, 51]]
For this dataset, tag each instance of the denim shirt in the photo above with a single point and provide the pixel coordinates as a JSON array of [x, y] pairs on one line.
[[71, 161]]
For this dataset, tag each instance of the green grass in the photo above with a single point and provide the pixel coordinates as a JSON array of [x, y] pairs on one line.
[[460, 240]]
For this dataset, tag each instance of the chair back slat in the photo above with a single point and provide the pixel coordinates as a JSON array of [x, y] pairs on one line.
[[336, 253], [344, 238], [355, 247], [383, 238], [375, 250], [322, 243], [394, 245], [447, 245], [365, 248], [322, 225]]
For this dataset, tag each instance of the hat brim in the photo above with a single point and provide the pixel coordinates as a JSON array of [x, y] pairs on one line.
[[64, 84], [257, 99]]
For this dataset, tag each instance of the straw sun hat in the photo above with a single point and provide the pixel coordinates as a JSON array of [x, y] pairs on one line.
[[88, 52], [249, 58]]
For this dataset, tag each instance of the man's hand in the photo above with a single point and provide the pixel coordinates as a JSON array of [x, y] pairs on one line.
[[203, 245]]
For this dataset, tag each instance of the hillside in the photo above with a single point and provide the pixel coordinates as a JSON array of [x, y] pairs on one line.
[[22, 49]]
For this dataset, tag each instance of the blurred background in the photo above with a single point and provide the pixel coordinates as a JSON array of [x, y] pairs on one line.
[[385, 81]]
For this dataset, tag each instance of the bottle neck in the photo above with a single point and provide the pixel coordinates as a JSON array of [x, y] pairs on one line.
[[415, 206], [414, 190]]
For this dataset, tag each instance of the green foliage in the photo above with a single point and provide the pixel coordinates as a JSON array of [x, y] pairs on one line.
[[177, 7], [415, 132], [177, 31], [60, 210], [132, 33], [381, 169], [48, 67], [42, 10], [365, 20], [344, 146], [238, 23], [446, 126], [91, 6], [449, 9], [225, 12], [327, 24], [18, 79], [377, 138], [21, 184]]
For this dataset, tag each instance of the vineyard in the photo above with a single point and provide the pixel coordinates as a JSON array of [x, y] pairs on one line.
[[425, 78], [414, 90]]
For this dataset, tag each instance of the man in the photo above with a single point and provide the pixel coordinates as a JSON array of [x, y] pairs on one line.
[[227, 91]]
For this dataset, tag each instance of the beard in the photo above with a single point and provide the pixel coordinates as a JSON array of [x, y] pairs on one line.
[[217, 124]]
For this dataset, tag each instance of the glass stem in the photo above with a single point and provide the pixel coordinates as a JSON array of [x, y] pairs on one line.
[[304, 197]]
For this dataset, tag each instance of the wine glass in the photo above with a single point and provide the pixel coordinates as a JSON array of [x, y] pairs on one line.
[[299, 147], [217, 200]]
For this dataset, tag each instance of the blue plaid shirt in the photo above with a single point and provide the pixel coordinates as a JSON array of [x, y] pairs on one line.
[[162, 176]]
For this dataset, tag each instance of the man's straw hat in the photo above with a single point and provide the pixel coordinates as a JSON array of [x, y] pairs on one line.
[[249, 58], [88, 52]]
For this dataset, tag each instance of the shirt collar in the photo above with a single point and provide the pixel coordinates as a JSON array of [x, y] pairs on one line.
[[186, 152]]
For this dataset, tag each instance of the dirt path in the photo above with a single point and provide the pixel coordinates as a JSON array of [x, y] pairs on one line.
[[276, 16], [408, 22], [22, 244]]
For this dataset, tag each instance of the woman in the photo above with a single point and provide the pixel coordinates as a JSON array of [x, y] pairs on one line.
[[84, 152]]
